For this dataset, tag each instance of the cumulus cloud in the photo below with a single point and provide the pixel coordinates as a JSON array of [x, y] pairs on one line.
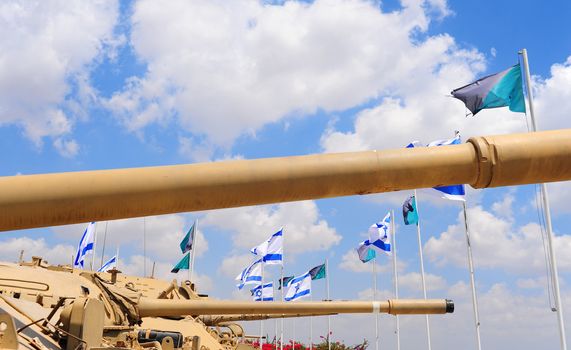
[[54, 254], [48, 47], [303, 227], [496, 243], [244, 64], [413, 282], [163, 233]]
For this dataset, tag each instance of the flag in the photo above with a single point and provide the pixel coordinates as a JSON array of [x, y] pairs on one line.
[[503, 89], [271, 250], [265, 293], [453, 192], [183, 264], [251, 274], [318, 272], [366, 252], [380, 235], [85, 245], [284, 281], [409, 212], [298, 287], [109, 265], [188, 240]]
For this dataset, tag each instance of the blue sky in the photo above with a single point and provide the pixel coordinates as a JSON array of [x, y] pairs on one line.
[[138, 84]]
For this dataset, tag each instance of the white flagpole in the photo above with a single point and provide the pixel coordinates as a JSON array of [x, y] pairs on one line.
[[375, 299], [144, 246], [94, 246], [328, 299], [422, 268], [117, 259], [396, 278], [262, 321], [311, 326], [276, 323], [472, 279], [194, 239], [104, 240], [547, 214], [282, 299]]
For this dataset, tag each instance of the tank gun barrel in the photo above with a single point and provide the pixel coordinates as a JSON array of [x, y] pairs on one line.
[[212, 320], [172, 308], [58, 199]]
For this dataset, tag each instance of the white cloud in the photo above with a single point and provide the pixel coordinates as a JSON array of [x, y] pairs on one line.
[[163, 234], [413, 282], [244, 64], [496, 243], [48, 47], [250, 226], [233, 265], [56, 254]]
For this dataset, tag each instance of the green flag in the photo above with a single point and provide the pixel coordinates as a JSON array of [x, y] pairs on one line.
[[318, 272], [187, 241], [284, 281], [409, 212], [503, 89], [183, 264]]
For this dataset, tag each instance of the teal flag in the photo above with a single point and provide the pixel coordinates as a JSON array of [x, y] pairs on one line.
[[503, 89], [318, 272], [409, 212], [187, 241], [183, 264]]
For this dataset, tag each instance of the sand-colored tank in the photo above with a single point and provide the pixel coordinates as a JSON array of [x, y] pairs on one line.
[[490, 161]]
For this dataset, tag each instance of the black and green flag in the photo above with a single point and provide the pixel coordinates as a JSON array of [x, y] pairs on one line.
[[183, 264], [187, 241], [318, 272], [503, 89], [282, 282]]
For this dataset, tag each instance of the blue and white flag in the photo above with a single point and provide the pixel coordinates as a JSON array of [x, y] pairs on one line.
[[366, 252], [265, 293], [112, 263], [251, 274], [298, 287], [453, 192], [271, 250], [85, 245], [380, 234]]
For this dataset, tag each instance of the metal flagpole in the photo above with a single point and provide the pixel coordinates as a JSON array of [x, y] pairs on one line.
[[193, 250], [396, 278], [375, 299], [282, 294], [276, 323], [547, 214], [282, 299], [262, 321], [472, 279], [104, 240], [328, 299], [94, 246], [422, 267], [144, 247], [117, 259], [311, 326]]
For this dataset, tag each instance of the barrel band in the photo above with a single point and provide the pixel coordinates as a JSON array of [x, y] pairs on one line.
[[485, 151]]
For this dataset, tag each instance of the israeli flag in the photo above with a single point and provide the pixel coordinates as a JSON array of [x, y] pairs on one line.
[[453, 192], [298, 287], [271, 250], [85, 245], [265, 293], [251, 274], [109, 265], [380, 234]]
